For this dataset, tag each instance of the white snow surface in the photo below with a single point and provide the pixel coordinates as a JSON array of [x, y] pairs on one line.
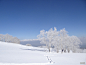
[[16, 54]]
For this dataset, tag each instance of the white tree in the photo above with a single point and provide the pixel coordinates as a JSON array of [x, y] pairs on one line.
[[15, 40], [1, 37], [50, 35], [42, 36], [9, 38], [46, 37], [75, 42], [59, 39], [56, 42], [63, 38]]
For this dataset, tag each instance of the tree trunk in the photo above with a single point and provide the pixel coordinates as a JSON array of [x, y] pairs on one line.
[[49, 49], [68, 51], [57, 50]]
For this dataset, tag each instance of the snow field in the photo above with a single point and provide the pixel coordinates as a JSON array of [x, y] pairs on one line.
[[24, 63], [67, 58], [16, 54]]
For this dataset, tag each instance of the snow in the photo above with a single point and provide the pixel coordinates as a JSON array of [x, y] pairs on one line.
[[16, 54], [68, 58]]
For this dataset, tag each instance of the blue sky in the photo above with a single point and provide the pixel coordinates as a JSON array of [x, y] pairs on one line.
[[25, 18]]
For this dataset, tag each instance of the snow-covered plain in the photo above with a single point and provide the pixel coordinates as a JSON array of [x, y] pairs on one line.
[[16, 54]]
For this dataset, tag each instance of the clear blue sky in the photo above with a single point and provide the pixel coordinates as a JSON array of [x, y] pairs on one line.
[[25, 18]]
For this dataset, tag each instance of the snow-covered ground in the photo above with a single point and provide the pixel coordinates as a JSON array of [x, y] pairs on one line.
[[16, 54]]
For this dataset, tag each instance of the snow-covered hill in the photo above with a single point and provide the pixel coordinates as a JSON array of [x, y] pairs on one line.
[[16, 54]]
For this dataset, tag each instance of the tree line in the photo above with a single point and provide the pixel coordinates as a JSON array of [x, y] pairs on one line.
[[9, 38]]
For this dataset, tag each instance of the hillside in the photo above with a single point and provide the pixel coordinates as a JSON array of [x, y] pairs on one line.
[[16, 54]]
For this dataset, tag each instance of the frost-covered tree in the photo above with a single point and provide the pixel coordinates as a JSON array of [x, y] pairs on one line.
[[15, 40], [50, 35], [56, 40], [59, 39], [1, 37], [66, 42], [63, 38], [9, 38], [46, 37], [42, 37], [75, 42]]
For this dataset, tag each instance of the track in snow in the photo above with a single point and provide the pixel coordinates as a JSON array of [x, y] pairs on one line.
[[49, 59]]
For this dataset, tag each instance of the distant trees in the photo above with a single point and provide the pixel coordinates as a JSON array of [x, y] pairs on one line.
[[28, 44], [9, 38], [59, 39]]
